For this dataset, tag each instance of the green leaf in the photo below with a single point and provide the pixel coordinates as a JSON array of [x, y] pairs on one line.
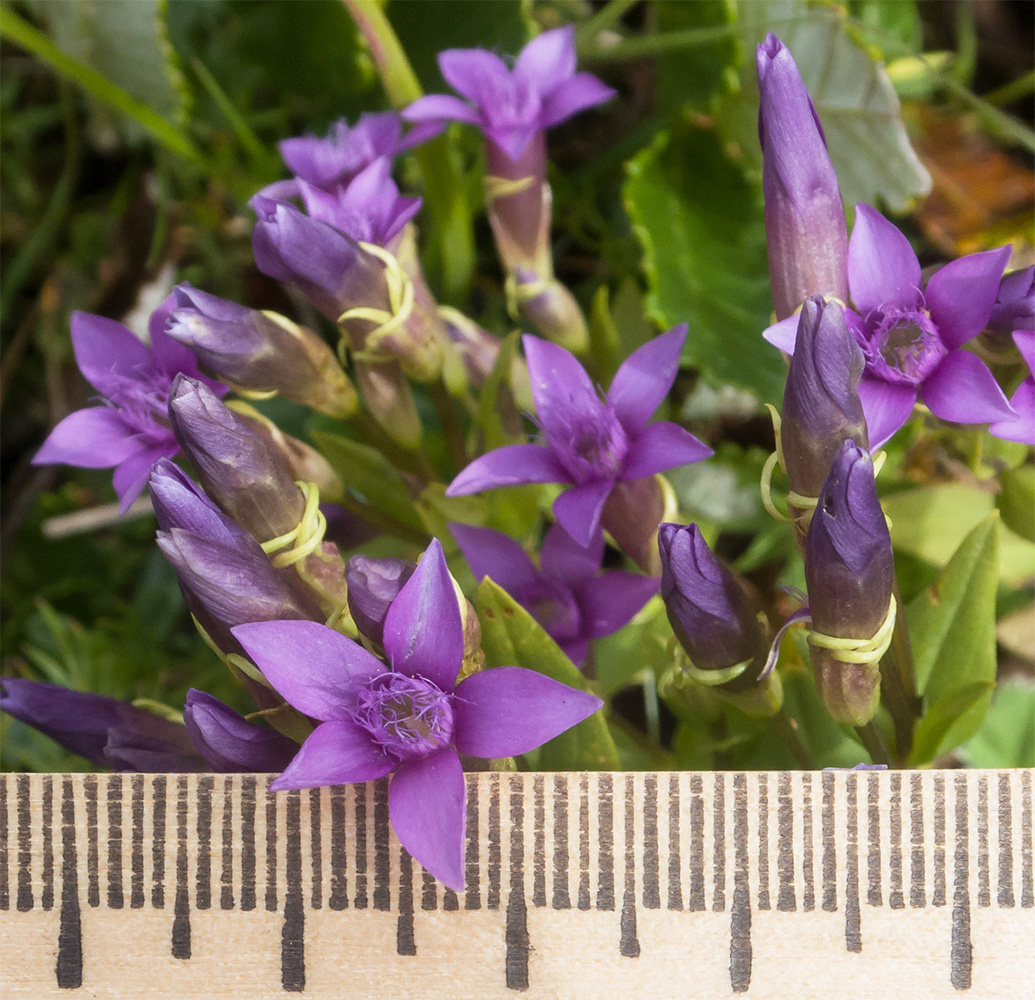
[[695, 81], [498, 380], [1007, 736], [512, 637], [1016, 500], [856, 101], [700, 224], [952, 628]]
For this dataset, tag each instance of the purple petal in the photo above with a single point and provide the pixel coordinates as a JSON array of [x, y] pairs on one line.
[[963, 390], [886, 408], [882, 267], [172, 357], [1025, 341], [315, 668], [512, 139], [612, 600], [562, 558], [548, 60], [229, 742], [335, 753], [662, 446], [426, 803], [578, 510], [783, 334], [492, 554], [474, 73], [423, 635], [582, 91], [510, 710], [511, 465], [439, 108], [961, 295], [645, 378], [576, 651], [106, 351], [91, 439], [131, 476], [1021, 427], [558, 380]]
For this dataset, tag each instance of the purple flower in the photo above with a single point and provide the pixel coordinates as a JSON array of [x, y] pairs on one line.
[[511, 106], [373, 586], [568, 595], [1022, 426], [131, 430], [411, 717], [106, 731], [804, 217], [1015, 304], [229, 742], [591, 443], [344, 152], [913, 336]]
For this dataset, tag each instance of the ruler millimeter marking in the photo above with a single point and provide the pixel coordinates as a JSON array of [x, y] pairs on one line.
[[625, 865]]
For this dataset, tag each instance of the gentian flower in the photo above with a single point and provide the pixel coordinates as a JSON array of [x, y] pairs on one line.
[[106, 731], [913, 335], [591, 443], [229, 742], [511, 106], [1015, 304], [804, 218], [1022, 426], [850, 573], [568, 595], [409, 717], [131, 430]]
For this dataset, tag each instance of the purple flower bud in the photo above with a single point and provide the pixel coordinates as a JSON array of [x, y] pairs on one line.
[[518, 202], [850, 573], [1015, 304], [106, 731], [235, 467], [804, 218], [261, 351], [551, 309], [373, 585], [821, 406], [231, 743]]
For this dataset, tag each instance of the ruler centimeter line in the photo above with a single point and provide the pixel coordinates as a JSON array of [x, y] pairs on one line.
[[573, 880]]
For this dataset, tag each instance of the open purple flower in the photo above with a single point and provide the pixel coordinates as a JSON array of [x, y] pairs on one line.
[[567, 594], [512, 105], [1021, 427], [131, 430], [410, 717], [913, 336], [591, 443]]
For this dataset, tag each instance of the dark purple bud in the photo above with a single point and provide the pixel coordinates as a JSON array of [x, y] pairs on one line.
[[849, 570], [545, 303], [235, 467], [229, 742], [106, 731], [373, 584], [821, 407], [261, 351], [1015, 303], [804, 217]]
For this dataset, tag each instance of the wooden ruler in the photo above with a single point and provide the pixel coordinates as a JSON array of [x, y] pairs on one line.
[[640, 885]]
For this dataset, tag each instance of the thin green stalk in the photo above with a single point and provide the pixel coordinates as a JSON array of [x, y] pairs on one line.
[[787, 729], [609, 14], [416, 463], [451, 428], [1015, 90], [253, 146], [19, 31], [444, 191], [652, 45], [874, 742], [377, 517]]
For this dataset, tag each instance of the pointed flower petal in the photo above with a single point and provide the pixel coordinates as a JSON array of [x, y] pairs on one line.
[[961, 295], [92, 439], [548, 60], [662, 446], [643, 381], [963, 390], [562, 558], [441, 108], [882, 267], [613, 600], [335, 753], [886, 407], [106, 351], [475, 73], [492, 554], [511, 465], [578, 510]]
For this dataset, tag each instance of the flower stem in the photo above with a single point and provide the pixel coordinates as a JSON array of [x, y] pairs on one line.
[[873, 739], [608, 15], [898, 685], [451, 429], [787, 728]]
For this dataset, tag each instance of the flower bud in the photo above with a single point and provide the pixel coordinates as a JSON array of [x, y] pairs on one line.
[[106, 731], [804, 217], [1015, 304], [821, 407], [518, 201], [261, 351], [849, 570], [713, 619], [373, 584], [229, 742], [551, 309]]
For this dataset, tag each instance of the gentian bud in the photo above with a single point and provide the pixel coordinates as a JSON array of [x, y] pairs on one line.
[[821, 407], [849, 570], [714, 621], [229, 742], [373, 584], [1015, 304], [804, 217], [261, 351], [106, 731]]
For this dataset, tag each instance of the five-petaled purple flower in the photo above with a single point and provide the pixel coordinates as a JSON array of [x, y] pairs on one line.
[[511, 106], [591, 443], [913, 336], [1021, 427], [411, 717], [567, 594], [131, 431]]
